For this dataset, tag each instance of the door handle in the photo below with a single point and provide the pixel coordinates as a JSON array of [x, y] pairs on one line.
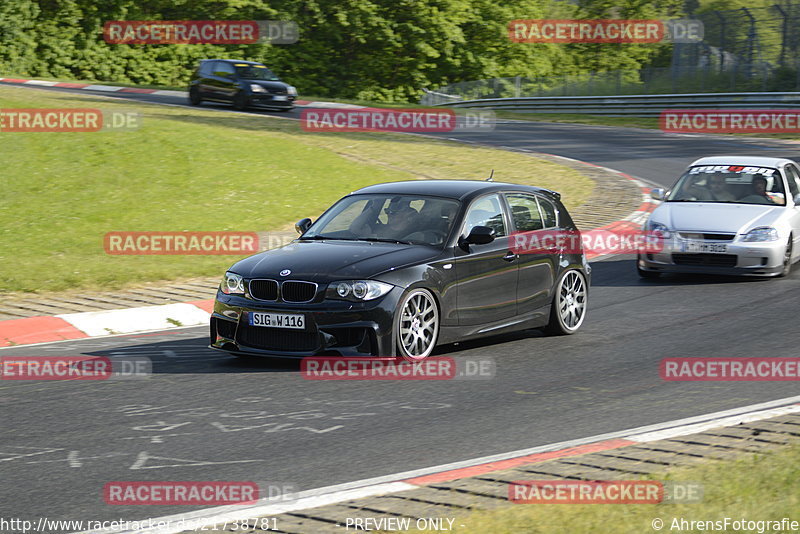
[[510, 256]]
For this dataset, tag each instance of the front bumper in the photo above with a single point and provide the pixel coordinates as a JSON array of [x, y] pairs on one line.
[[739, 258], [331, 327], [269, 100]]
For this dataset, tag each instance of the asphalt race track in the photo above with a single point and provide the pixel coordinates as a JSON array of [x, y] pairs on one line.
[[208, 416]]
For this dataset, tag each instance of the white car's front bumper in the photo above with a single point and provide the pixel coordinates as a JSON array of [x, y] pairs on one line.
[[716, 257]]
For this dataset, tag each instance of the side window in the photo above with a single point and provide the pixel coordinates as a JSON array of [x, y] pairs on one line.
[[794, 180], [549, 213], [223, 69], [486, 211], [525, 212]]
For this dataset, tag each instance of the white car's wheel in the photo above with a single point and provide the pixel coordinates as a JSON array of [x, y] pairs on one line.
[[787, 258]]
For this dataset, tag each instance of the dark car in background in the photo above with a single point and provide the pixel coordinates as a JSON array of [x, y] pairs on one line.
[[241, 83], [396, 269]]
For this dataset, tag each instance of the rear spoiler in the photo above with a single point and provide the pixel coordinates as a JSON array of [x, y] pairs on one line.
[[556, 194]]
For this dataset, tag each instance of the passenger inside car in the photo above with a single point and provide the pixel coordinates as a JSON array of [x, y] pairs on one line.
[[758, 193]]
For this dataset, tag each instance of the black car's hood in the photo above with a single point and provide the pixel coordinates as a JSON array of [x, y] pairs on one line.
[[326, 261], [272, 86]]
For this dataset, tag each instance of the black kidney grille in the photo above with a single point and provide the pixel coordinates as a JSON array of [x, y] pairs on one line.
[[280, 339], [294, 291], [264, 289]]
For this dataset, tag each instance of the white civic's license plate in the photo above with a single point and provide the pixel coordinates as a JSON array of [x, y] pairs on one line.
[[279, 97], [701, 246], [277, 320]]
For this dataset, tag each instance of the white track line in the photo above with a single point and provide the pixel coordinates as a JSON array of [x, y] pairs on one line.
[[106, 88], [41, 82], [394, 483]]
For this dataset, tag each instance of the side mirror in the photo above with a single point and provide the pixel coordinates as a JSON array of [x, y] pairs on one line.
[[479, 235], [797, 199], [302, 225], [658, 193]]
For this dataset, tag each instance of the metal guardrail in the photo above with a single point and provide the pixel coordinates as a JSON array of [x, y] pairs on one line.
[[633, 105]]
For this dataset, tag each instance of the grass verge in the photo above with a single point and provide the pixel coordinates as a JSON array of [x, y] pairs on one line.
[[757, 488], [199, 170]]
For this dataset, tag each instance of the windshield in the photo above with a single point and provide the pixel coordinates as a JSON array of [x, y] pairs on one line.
[[256, 72], [411, 219], [738, 184]]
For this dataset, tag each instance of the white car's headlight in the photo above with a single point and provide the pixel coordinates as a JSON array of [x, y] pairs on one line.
[[762, 233], [257, 88], [659, 230], [232, 284], [358, 290], [292, 90]]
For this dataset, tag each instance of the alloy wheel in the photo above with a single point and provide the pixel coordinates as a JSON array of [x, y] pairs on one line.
[[571, 301], [418, 326]]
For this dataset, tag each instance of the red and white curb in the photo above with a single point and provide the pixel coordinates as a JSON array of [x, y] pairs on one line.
[[119, 89], [91, 87], [44, 329], [411, 480]]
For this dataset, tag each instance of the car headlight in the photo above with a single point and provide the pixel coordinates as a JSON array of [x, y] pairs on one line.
[[762, 233], [358, 290], [292, 90], [232, 284], [257, 88], [659, 230]]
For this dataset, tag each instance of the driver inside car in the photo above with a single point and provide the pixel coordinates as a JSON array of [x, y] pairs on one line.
[[400, 220], [696, 191]]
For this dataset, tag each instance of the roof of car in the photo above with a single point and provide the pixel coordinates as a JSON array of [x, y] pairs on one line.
[[235, 61], [755, 161], [447, 188]]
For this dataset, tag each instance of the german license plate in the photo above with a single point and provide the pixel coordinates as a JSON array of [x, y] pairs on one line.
[[702, 246], [280, 97], [277, 320]]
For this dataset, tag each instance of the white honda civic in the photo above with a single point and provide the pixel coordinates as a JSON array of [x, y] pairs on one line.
[[727, 215]]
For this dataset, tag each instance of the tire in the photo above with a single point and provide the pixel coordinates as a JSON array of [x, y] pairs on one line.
[[787, 259], [570, 299], [416, 325], [194, 96], [240, 101]]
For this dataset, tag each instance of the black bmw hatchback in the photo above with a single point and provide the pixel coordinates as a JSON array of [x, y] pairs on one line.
[[396, 269], [241, 83]]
